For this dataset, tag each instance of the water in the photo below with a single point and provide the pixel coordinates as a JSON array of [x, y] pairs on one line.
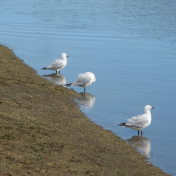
[[130, 46]]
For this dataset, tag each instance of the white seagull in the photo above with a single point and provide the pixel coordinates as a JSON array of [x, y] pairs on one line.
[[58, 64], [84, 80], [139, 122]]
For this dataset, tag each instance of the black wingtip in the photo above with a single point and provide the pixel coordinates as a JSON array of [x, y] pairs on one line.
[[121, 124], [44, 68], [68, 84]]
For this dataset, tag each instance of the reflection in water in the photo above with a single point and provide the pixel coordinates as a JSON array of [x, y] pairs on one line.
[[57, 78], [86, 100], [140, 143]]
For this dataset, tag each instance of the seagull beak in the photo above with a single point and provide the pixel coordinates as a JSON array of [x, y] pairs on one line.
[[67, 56], [152, 107]]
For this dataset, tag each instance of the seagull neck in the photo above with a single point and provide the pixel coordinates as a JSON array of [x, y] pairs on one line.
[[63, 58], [147, 112]]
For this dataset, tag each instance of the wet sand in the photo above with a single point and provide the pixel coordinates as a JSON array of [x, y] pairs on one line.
[[43, 132]]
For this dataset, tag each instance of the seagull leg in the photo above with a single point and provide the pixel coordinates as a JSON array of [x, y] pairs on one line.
[[84, 89], [56, 71], [59, 72], [141, 133], [138, 132]]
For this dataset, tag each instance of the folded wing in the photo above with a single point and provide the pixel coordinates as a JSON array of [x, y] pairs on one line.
[[137, 121], [82, 80], [56, 65]]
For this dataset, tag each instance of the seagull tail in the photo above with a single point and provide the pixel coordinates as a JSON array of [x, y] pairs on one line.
[[44, 68], [122, 124], [68, 84]]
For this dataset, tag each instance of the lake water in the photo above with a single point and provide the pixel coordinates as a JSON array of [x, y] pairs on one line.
[[129, 45]]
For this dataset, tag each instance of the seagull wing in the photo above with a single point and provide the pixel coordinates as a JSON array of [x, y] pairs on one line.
[[82, 80], [57, 64], [137, 121]]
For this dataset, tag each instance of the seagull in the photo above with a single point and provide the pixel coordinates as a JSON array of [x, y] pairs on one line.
[[84, 80], [58, 64], [139, 122]]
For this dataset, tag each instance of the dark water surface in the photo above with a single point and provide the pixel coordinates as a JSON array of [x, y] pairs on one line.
[[130, 46]]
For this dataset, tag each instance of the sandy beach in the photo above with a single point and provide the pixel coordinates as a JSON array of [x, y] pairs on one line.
[[43, 132]]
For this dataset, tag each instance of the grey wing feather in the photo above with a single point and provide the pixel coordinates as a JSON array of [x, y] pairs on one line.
[[81, 81], [138, 124], [56, 64], [137, 121]]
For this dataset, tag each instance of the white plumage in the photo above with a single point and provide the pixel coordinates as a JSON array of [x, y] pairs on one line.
[[84, 80], [139, 122], [58, 64]]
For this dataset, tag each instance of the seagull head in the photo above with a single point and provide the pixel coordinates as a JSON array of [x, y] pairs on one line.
[[147, 108], [64, 55], [93, 77]]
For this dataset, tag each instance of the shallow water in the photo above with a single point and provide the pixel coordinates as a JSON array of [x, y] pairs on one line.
[[130, 46]]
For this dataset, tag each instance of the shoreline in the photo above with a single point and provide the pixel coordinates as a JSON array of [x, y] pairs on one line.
[[43, 131]]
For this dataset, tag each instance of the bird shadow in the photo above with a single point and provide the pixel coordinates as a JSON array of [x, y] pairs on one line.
[[85, 100], [57, 78], [142, 144]]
